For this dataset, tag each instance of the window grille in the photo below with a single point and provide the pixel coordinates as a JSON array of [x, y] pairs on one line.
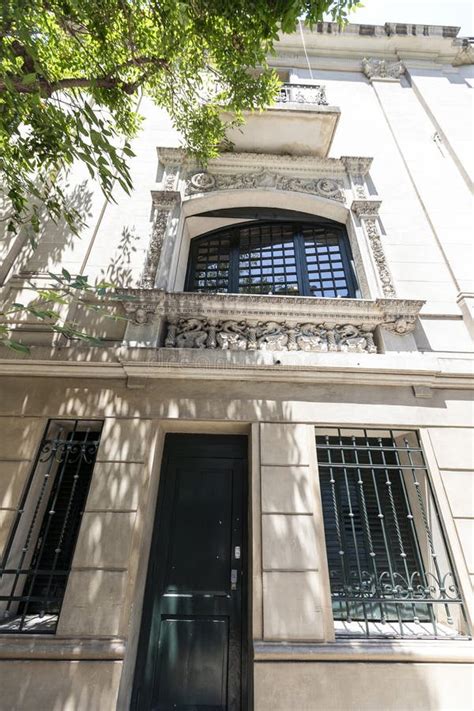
[[390, 571], [37, 559], [273, 258]]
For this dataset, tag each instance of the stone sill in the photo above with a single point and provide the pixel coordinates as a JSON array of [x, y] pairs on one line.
[[35, 646], [438, 651], [293, 308]]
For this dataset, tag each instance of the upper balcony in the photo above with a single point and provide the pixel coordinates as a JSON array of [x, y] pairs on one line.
[[301, 122]]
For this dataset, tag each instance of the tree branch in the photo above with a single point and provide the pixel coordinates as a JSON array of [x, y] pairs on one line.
[[47, 88]]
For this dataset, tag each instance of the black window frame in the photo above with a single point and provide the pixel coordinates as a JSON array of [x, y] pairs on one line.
[[391, 570], [38, 556], [234, 233]]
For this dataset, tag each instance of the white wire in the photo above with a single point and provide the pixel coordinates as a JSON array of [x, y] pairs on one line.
[[304, 48]]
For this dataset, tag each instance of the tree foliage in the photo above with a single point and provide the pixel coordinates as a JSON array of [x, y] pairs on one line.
[[71, 72]]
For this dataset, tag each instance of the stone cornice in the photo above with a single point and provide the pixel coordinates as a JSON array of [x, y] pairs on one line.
[[236, 162], [139, 364], [390, 42]]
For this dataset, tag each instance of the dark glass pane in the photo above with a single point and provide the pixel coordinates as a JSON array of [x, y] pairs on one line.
[[323, 259], [272, 258], [211, 259], [272, 254]]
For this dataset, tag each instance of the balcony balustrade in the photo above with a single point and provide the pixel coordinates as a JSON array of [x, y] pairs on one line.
[[312, 94]]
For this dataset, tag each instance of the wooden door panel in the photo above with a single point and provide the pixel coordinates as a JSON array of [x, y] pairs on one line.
[[191, 654]]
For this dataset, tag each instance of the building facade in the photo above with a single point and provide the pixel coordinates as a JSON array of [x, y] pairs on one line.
[[256, 490]]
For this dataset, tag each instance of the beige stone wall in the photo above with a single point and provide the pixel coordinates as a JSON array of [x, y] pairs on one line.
[[352, 686], [290, 596], [96, 593], [295, 583], [454, 452], [59, 685], [19, 440]]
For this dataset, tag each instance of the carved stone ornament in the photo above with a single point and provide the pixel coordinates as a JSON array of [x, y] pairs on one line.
[[367, 211], [400, 326], [357, 165], [164, 202], [298, 317], [385, 277], [329, 188], [268, 336], [366, 207], [381, 69], [140, 313], [465, 54]]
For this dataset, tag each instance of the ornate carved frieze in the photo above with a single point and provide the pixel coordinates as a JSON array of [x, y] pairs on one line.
[[246, 335], [330, 188], [163, 203], [381, 69]]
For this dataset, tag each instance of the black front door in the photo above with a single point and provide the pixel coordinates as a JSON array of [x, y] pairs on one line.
[[192, 650]]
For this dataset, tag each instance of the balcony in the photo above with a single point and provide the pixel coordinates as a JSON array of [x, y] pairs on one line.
[[255, 324], [300, 123]]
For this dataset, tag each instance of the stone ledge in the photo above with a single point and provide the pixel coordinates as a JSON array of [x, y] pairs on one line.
[[460, 652], [57, 647]]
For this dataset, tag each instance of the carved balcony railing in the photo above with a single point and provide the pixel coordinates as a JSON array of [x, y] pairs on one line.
[[245, 322], [302, 94]]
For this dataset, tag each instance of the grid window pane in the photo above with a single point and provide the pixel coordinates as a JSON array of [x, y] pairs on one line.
[[323, 250], [211, 264], [272, 258]]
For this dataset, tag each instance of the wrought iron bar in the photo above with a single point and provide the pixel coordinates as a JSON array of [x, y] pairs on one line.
[[368, 481], [39, 552]]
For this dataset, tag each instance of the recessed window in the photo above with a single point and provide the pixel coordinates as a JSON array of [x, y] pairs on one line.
[[390, 571], [38, 556], [290, 259]]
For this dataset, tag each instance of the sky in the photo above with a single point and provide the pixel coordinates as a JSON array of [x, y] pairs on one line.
[[459, 13]]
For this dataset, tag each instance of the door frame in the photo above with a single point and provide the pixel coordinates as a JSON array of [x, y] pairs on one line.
[[142, 546]]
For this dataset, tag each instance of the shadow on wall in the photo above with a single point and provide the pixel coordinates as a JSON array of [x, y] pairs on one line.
[[119, 271], [55, 238]]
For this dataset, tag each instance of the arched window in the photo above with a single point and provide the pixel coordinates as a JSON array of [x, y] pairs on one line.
[[285, 258]]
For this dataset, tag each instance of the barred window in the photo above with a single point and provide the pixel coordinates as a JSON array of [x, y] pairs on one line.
[[37, 559], [390, 570], [305, 259]]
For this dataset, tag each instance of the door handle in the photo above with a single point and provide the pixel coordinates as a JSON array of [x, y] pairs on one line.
[[233, 579]]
